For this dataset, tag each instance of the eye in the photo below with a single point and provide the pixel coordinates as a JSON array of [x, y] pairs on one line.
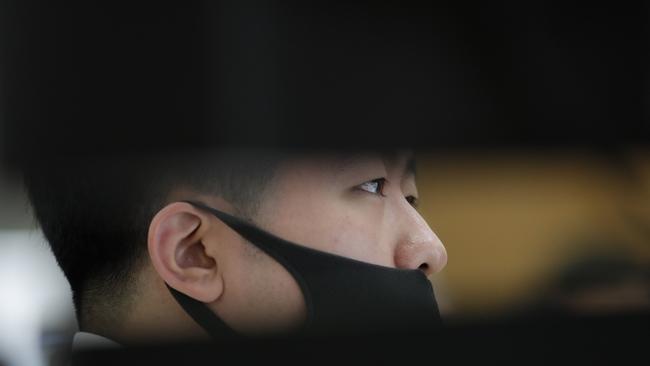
[[375, 186], [412, 200]]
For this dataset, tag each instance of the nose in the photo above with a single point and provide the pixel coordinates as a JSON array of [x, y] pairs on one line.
[[418, 247]]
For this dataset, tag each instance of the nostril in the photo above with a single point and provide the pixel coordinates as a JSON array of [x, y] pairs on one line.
[[424, 267]]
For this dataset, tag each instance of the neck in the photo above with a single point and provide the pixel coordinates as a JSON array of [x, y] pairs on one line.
[[153, 316]]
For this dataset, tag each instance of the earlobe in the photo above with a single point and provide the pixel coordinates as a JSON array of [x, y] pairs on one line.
[[176, 245]]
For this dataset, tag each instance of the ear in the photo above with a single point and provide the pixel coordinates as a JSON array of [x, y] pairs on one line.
[[176, 244]]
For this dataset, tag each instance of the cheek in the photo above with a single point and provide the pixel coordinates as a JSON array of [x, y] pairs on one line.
[[262, 296], [326, 218], [343, 229], [361, 239]]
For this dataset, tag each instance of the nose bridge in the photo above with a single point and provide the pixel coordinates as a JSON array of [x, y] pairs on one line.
[[417, 246]]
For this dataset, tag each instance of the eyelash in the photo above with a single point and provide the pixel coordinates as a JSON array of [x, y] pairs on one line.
[[412, 200]]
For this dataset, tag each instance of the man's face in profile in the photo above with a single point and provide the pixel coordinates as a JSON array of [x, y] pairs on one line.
[[358, 206]]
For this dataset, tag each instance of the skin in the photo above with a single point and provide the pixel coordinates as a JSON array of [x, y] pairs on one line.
[[327, 202]]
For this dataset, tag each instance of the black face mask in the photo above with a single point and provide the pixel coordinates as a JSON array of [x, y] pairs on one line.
[[342, 295]]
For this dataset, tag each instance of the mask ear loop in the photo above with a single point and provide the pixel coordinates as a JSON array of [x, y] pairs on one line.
[[203, 316], [257, 236]]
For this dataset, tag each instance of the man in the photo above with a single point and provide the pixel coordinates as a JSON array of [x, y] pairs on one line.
[[182, 247]]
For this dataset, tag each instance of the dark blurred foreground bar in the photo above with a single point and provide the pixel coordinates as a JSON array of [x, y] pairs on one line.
[[616, 339], [106, 77]]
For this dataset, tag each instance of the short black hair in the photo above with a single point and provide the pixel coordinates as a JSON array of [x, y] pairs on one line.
[[95, 211]]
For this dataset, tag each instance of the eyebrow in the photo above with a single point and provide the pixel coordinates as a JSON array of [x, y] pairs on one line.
[[389, 158], [410, 166], [348, 160]]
